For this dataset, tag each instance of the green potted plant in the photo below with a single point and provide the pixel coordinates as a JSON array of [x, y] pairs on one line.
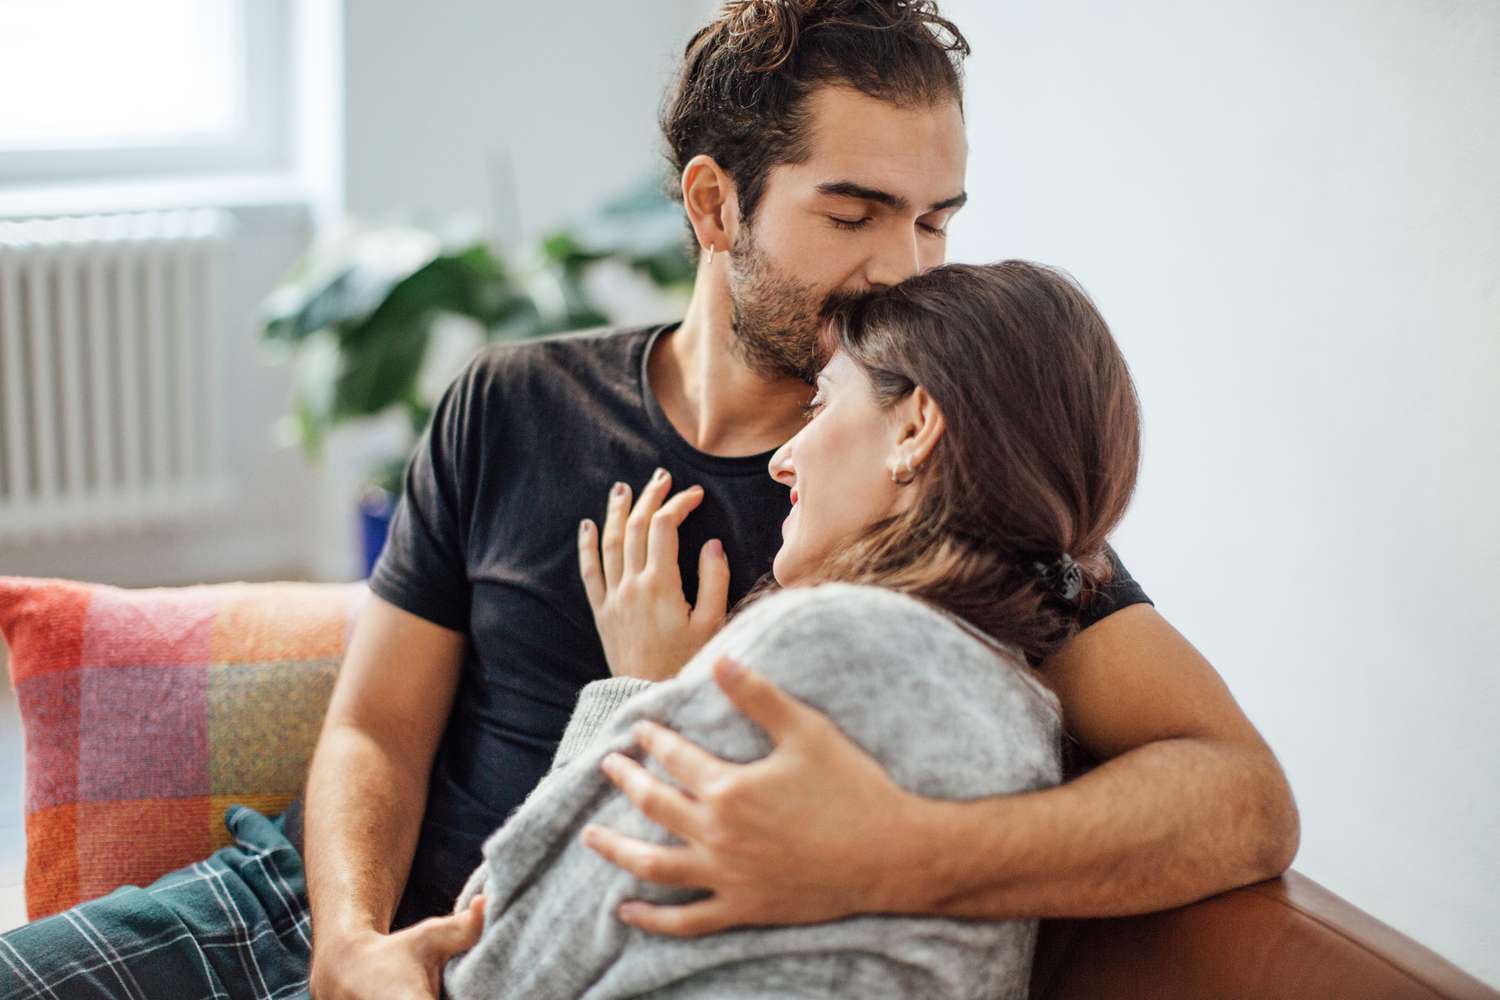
[[357, 316]]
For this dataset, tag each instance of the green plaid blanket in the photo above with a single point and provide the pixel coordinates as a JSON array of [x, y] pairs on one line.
[[233, 926]]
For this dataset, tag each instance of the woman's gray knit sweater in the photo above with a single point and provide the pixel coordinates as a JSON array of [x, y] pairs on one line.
[[948, 713]]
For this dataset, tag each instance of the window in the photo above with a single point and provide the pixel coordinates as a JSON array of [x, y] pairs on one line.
[[100, 89]]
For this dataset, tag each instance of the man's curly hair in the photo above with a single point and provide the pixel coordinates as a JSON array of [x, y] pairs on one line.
[[741, 94]]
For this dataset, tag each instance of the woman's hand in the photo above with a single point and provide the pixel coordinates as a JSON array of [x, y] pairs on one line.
[[644, 620]]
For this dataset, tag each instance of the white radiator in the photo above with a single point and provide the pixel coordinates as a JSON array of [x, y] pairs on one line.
[[111, 396]]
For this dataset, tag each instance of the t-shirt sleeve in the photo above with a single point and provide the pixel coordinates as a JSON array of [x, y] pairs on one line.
[[423, 568], [1120, 592]]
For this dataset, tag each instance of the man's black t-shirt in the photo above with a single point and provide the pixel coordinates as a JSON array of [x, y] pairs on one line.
[[525, 443]]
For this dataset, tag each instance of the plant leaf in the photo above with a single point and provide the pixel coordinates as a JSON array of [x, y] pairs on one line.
[[377, 371]]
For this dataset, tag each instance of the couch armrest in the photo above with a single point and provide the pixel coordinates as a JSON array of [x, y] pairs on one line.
[[1285, 937]]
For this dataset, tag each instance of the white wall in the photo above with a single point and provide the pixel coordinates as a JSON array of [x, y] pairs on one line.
[[524, 114], [1290, 214], [506, 118]]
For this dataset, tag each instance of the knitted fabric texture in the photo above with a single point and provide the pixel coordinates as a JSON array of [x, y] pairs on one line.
[[947, 712], [147, 713]]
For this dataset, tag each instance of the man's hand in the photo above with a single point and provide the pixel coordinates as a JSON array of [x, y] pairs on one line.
[[645, 624], [406, 965], [1188, 801], [735, 819]]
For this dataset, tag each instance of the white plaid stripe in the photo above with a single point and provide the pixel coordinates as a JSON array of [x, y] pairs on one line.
[[75, 969], [35, 983], [208, 972], [80, 969], [288, 898], [241, 932], [106, 947], [135, 986], [113, 965]]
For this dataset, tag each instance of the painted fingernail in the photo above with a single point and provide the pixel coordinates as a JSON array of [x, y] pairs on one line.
[[583, 528], [618, 490], [715, 548], [659, 475]]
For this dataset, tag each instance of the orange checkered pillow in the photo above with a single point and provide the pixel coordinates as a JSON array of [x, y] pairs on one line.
[[146, 713]]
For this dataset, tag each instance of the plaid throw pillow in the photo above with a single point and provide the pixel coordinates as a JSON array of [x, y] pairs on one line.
[[147, 713]]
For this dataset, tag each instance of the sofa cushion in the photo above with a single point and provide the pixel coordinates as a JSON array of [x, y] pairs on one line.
[[147, 713]]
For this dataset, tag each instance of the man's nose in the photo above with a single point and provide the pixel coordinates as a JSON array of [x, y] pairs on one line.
[[897, 260]]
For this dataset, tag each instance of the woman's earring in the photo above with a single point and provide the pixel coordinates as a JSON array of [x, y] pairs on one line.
[[903, 473], [710, 253]]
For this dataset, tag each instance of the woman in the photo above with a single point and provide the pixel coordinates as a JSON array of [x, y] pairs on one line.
[[973, 440]]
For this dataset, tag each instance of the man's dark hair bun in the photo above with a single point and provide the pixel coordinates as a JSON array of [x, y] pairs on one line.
[[765, 27]]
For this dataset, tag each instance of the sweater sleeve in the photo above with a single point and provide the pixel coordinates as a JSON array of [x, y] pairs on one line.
[[944, 714], [597, 704]]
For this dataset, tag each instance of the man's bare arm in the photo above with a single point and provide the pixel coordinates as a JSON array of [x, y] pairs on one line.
[[367, 786], [1189, 800]]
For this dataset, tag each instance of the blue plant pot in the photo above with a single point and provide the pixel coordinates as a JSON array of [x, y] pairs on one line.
[[375, 509]]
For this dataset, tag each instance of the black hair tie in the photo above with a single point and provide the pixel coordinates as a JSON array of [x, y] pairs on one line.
[[1061, 576]]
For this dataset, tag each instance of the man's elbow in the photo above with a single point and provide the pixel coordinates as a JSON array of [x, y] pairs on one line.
[[1278, 834]]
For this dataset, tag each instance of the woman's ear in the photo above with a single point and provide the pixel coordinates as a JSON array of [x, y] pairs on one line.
[[919, 427], [708, 196]]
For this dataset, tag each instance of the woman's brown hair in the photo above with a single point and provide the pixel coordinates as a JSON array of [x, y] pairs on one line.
[[1038, 456]]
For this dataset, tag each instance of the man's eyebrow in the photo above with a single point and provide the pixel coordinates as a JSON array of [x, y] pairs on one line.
[[957, 201], [849, 189]]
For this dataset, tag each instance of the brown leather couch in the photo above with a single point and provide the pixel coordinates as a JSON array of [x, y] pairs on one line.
[[1287, 937]]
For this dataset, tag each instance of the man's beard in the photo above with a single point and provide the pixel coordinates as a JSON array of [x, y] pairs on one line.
[[774, 317]]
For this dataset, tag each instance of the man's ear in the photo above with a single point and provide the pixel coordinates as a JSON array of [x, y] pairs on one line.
[[708, 195], [919, 426]]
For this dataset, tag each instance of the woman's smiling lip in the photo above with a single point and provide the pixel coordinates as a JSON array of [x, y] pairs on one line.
[[794, 496]]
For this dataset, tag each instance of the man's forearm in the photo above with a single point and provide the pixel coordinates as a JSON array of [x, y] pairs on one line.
[[363, 813], [1165, 824]]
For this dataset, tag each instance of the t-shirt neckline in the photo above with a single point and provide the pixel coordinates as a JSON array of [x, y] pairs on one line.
[[724, 465]]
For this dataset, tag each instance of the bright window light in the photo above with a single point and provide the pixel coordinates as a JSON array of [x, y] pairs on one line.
[[93, 74]]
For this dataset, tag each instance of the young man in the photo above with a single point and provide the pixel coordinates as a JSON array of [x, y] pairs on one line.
[[820, 151]]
